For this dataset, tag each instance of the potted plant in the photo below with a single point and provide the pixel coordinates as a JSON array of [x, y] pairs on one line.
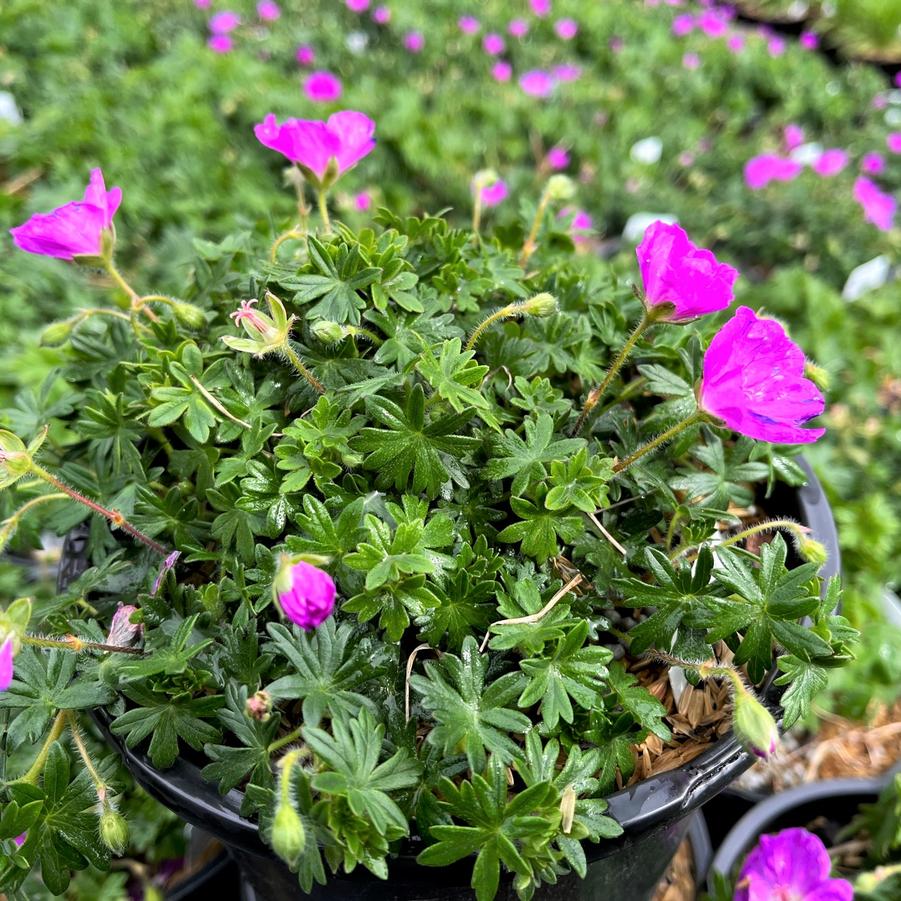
[[376, 569]]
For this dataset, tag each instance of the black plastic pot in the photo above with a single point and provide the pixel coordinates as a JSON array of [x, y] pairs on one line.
[[655, 814], [835, 799]]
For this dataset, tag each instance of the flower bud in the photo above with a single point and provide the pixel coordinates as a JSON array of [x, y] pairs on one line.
[[560, 187], [113, 830], [484, 178], [816, 374], [288, 837], [305, 593], [813, 551], [267, 333], [57, 332], [258, 706], [15, 461], [328, 332], [123, 632], [568, 809], [188, 314], [754, 725], [540, 305]]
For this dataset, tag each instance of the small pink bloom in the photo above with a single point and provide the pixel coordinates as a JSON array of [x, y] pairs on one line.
[[468, 24], [6, 664], [268, 10], [880, 101], [683, 25], [220, 43], [761, 170], [541, 8], [363, 201], [675, 271], [736, 43], [494, 193], [122, 632], [414, 41], [894, 142], [878, 207], [493, 44], [566, 29], [580, 224], [537, 83], [686, 159], [753, 380], [712, 23], [357, 6], [249, 317], [322, 87], [809, 41], [306, 56], [20, 839], [74, 229], [381, 15], [306, 594], [566, 72], [691, 61], [897, 79], [346, 137], [557, 158], [502, 71], [830, 162], [776, 46], [616, 44], [873, 163], [224, 22], [518, 28], [202, 4], [172, 559], [793, 135]]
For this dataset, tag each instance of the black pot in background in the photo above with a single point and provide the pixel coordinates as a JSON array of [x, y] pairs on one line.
[[655, 814], [836, 799]]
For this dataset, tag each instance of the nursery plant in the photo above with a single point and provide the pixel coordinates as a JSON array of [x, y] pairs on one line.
[[382, 521]]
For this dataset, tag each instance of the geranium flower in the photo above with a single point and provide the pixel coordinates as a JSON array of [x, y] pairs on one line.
[[381, 15], [220, 43], [518, 28], [676, 272], [878, 207], [268, 10], [6, 664], [493, 44], [224, 22], [691, 61], [809, 40], [537, 83], [753, 381], [736, 43], [502, 71], [873, 163], [712, 23], [494, 193], [74, 229], [792, 864], [468, 24], [566, 72], [414, 41], [322, 87], [830, 162], [557, 158], [306, 56], [566, 29], [761, 170], [323, 150], [683, 25], [305, 593], [793, 136], [541, 8], [894, 141], [357, 6]]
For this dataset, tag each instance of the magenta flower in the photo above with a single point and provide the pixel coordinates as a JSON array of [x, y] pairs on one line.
[[792, 864], [557, 158], [894, 141], [322, 87], [74, 229], [357, 6], [616, 44], [541, 8], [518, 28], [566, 29], [830, 162], [566, 72], [122, 632], [306, 56], [414, 41], [381, 15], [172, 559], [493, 44], [494, 193], [736, 43], [224, 22], [793, 135], [580, 224], [468, 24], [683, 25], [754, 382], [537, 83], [220, 43], [878, 207], [809, 41], [363, 201], [873, 163], [6, 664], [20, 839], [202, 4], [712, 23], [268, 10], [502, 71], [691, 61], [323, 150], [674, 271], [776, 46], [761, 170], [305, 593]]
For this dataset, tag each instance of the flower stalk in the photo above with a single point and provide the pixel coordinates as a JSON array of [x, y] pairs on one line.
[[661, 439], [540, 305]]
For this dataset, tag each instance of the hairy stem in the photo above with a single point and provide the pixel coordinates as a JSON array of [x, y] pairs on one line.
[[531, 242], [662, 438], [56, 730], [298, 364]]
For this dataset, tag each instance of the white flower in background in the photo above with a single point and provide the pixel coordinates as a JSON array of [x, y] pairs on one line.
[[647, 151], [637, 223], [356, 42], [807, 154], [867, 277], [9, 112]]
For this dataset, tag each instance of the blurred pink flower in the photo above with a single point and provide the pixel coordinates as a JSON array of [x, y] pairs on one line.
[[809, 40], [713, 23], [306, 56], [357, 6], [793, 136], [880, 101], [518, 28], [494, 193], [873, 163], [322, 86], [557, 158], [566, 29], [537, 83], [414, 41], [202, 4], [363, 201], [691, 61], [686, 158], [761, 170], [776, 46], [468, 24], [894, 141], [736, 43], [566, 72], [541, 8], [381, 15], [753, 380], [73, 229], [830, 162], [502, 71], [220, 43], [224, 22], [878, 207], [580, 224], [683, 25], [268, 10], [616, 44], [493, 44], [6, 665], [20, 839]]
